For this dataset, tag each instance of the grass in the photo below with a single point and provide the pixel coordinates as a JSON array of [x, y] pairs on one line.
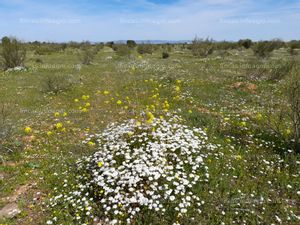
[[253, 178]]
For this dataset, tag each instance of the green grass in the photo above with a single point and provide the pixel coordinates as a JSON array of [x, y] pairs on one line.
[[249, 181]]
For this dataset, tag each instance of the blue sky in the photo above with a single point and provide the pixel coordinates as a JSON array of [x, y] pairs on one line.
[[104, 20]]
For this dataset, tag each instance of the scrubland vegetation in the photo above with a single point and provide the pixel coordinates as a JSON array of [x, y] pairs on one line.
[[108, 133]]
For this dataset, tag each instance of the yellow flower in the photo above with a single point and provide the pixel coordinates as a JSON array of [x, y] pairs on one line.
[[27, 130], [76, 100], [49, 133], [56, 114], [119, 102], [84, 110], [100, 164], [130, 134], [177, 88], [238, 157], [105, 92], [146, 81], [178, 81], [125, 107], [85, 97], [106, 102], [87, 104], [190, 111], [288, 131], [90, 143], [138, 123], [226, 119], [58, 125], [65, 114], [243, 124], [140, 57], [259, 116]]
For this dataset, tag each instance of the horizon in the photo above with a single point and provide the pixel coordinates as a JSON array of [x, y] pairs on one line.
[[170, 20]]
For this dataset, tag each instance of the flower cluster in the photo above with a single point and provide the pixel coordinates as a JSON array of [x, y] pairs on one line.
[[141, 167]]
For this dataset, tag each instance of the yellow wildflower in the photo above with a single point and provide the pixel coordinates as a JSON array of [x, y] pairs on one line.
[[58, 125], [105, 92], [90, 143], [27, 130], [76, 100], [119, 102], [100, 164], [56, 114]]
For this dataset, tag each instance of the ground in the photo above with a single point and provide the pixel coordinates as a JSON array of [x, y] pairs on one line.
[[253, 176]]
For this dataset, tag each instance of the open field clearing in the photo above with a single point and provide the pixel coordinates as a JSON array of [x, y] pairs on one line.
[[133, 138]]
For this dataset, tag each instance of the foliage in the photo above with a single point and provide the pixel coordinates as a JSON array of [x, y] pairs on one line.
[[13, 52], [145, 49], [246, 43], [165, 55], [131, 43], [202, 48]]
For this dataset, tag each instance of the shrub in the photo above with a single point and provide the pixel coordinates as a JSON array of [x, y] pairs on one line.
[[123, 50], [280, 68], [246, 43], [264, 48], [131, 43], [202, 48], [57, 83], [165, 55], [88, 55], [292, 92], [13, 53], [145, 49]]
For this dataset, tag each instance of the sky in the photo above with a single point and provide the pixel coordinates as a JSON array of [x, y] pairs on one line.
[[108, 20]]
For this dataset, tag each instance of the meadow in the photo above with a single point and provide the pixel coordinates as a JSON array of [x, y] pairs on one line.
[[132, 138]]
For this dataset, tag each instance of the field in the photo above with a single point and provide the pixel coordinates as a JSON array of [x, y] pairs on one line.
[[248, 170]]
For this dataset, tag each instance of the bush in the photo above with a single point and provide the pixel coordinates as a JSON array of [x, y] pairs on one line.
[[13, 53], [292, 92], [145, 49], [131, 43], [88, 55], [202, 48], [264, 48], [246, 43], [165, 55], [280, 68], [57, 83]]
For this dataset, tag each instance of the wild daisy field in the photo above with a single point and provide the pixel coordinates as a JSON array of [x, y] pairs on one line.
[[164, 134]]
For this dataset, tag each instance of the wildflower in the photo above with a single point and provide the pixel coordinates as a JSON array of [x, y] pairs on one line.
[[85, 97], [84, 110], [76, 100], [58, 126], [125, 107], [90, 143], [87, 104], [65, 114], [226, 119], [243, 124], [238, 157], [49, 133], [177, 88], [106, 92], [288, 131], [190, 111], [138, 123], [178, 81], [100, 164], [119, 102], [28, 130], [56, 114], [259, 116], [150, 117]]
